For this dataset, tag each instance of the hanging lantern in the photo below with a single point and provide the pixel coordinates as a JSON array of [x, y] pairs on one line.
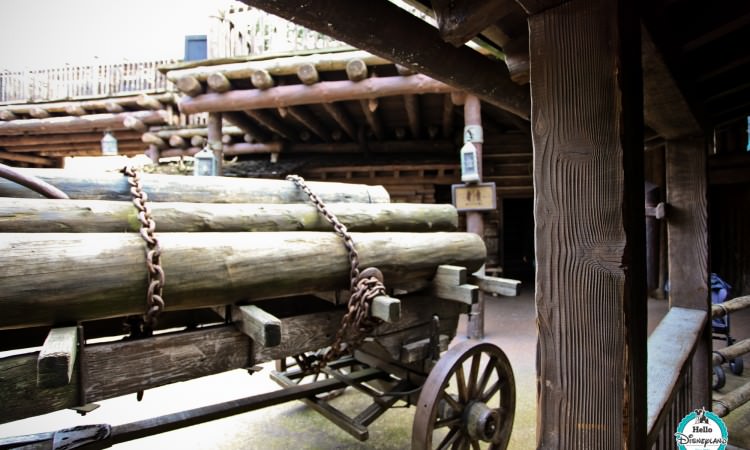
[[109, 145], [205, 163]]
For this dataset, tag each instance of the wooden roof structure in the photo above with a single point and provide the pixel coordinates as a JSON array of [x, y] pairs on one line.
[[595, 78], [42, 133]]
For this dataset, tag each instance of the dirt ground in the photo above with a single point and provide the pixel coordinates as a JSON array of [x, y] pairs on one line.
[[509, 324]]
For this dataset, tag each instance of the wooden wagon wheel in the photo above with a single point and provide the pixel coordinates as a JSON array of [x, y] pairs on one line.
[[469, 398]]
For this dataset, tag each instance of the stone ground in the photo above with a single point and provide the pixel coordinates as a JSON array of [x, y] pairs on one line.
[[509, 324]]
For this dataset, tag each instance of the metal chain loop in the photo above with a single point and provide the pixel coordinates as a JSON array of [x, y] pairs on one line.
[[154, 293], [357, 323]]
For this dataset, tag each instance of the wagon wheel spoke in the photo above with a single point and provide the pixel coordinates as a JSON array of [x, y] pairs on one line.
[[452, 410]]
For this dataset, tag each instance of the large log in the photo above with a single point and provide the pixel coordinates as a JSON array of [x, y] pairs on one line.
[[277, 66], [71, 124], [53, 278], [76, 138], [91, 216], [325, 91], [166, 188], [104, 104]]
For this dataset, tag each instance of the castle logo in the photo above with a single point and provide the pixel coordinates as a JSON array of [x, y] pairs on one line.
[[701, 429]]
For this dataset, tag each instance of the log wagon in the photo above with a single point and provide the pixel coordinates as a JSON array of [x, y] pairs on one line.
[[337, 285]]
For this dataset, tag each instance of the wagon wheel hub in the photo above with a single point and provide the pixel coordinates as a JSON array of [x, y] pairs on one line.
[[482, 422]]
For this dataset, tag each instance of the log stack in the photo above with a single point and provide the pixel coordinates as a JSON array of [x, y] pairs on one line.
[[76, 268]]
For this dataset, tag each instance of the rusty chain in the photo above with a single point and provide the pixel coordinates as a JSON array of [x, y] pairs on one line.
[[154, 298], [357, 323]]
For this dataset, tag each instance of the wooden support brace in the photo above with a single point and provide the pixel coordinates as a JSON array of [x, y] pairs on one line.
[[57, 358], [386, 308], [342, 118], [496, 285], [450, 284], [420, 350], [269, 121], [308, 119], [261, 326], [659, 211]]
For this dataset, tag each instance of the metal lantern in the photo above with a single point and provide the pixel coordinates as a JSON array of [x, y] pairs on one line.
[[469, 163], [205, 163], [109, 145]]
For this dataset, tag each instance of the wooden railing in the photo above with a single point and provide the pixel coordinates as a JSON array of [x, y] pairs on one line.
[[82, 81], [243, 30]]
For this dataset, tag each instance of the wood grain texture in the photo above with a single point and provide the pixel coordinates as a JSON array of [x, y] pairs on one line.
[[590, 288], [165, 188], [57, 357], [687, 244], [54, 277]]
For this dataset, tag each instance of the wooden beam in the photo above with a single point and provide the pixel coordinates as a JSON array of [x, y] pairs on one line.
[[687, 245], [7, 115], [153, 139], [189, 85], [92, 122], [113, 107], [214, 140], [410, 42], [590, 243], [308, 74], [339, 114], [67, 138], [177, 141], [263, 328], [323, 92], [75, 110], [103, 216], [308, 119], [536, 6], [268, 120], [449, 283], [665, 109], [57, 358], [411, 103], [385, 308], [356, 70], [261, 79], [244, 123], [496, 285], [460, 21], [275, 66], [76, 286], [175, 188], [218, 82], [146, 101], [38, 112], [37, 160], [373, 119]]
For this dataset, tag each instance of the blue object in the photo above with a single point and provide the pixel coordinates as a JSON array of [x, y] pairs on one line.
[[196, 47], [720, 291]]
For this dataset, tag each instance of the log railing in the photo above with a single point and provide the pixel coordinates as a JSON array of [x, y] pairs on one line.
[[244, 31], [723, 404], [82, 81], [670, 354]]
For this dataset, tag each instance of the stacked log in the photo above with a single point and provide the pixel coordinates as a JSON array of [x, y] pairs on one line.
[[82, 261]]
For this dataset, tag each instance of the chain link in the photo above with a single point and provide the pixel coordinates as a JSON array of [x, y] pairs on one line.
[[357, 323], [154, 298]]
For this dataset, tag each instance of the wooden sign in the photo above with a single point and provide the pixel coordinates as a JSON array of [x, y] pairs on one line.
[[474, 197]]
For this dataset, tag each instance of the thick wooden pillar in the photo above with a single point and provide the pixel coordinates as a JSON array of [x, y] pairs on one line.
[[687, 235], [475, 219], [587, 124], [214, 140]]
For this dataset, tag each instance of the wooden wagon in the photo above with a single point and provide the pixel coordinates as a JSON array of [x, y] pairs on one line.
[[273, 285]]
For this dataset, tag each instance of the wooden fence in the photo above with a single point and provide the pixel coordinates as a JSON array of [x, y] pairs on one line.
[[82, 81], [243, 30]]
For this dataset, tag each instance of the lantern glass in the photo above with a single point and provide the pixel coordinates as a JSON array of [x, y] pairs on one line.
[[204, 164], [109, 145], [469, 164]]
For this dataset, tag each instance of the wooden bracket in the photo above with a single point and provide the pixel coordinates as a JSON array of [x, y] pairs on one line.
[[496, 285], [386, 308], [261, 326], [659, 211], [57, 358], [450, 284]]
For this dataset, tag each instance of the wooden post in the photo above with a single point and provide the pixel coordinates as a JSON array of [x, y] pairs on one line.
[[475, 219], [57, 358], [687, 234], [588, 209], [214, 139]]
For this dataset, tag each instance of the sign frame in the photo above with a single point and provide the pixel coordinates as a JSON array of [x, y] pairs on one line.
[[483, 204]]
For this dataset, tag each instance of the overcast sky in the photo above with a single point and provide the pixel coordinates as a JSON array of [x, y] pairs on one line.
[[51, 33]]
